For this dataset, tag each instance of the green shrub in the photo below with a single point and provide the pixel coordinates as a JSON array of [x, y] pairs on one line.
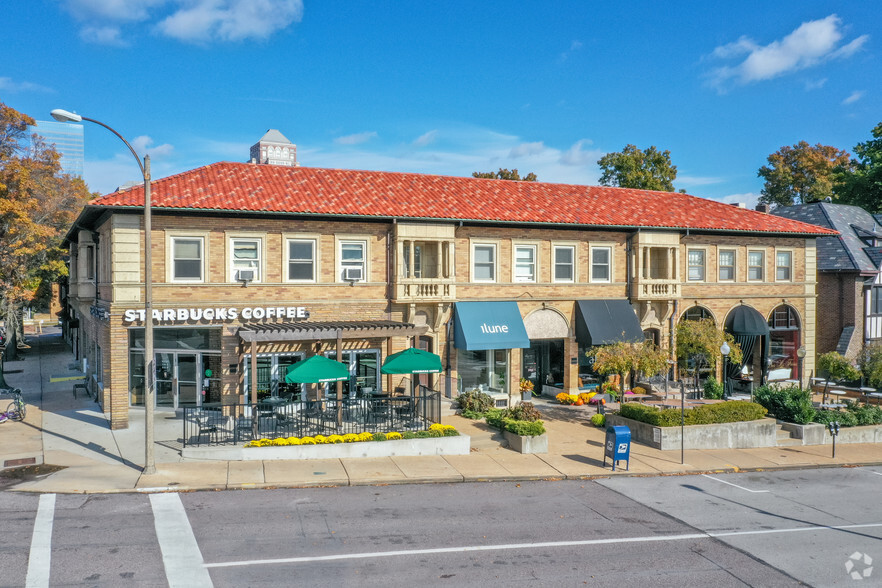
[[524, 411], [791, 404], [525, 428], [845, 418], [713, 389], [475, 402], [709, 414], [865, 414], [598, 420]]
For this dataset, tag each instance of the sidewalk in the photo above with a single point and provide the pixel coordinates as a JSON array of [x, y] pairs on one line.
[[74, 434]]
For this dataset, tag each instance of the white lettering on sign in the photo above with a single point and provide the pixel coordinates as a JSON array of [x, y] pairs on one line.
[[183, 315], [489, 329]]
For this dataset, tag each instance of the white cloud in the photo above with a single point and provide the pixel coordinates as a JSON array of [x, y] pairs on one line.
[[574, 46], [191, 21], [143, 144], [11, 86], [356, 139], [687, 181], [853, 97], [811, 44], [527, 149], [815, 84], [578, 156], [749, 199], [426, 138], [107, 35]]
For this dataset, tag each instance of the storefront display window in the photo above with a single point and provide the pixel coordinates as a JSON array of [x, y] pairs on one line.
[[363, 372], [484, 370], [271, 371]]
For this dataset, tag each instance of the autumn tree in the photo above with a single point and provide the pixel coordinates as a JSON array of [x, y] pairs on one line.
[[622, 358], [801, 174], [37, 204], [643, 170], [505, 174], [698, 346], [860, 183]]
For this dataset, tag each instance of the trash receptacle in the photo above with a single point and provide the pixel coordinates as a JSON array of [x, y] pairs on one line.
[[618, 446]]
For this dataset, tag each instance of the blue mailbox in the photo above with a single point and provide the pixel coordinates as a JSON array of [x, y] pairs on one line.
[[618, 446]]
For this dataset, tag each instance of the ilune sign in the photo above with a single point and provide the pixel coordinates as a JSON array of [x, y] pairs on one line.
[[249, 313], [487, 329]]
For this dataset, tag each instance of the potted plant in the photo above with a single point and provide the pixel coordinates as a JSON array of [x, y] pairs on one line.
[[526, 387]]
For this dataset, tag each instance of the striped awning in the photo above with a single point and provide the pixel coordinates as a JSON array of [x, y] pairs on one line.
[[317, 330]]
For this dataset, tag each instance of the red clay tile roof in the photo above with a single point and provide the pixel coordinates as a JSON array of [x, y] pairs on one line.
[[248, 187]]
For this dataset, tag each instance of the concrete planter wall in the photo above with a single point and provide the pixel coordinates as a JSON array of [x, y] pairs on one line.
[[527, 443], [459, 445], [816, 434], [742, 435]]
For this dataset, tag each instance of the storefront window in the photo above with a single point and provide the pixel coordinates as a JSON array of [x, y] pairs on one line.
[[484, 370], [784, 337], [271, 372]]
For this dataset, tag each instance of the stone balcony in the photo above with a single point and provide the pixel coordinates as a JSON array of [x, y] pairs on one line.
[[647, 289], [425, 290]]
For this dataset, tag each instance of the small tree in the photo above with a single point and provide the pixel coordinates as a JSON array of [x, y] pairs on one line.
[[700, 341], [623, 358], [871, 364], [506, 174]]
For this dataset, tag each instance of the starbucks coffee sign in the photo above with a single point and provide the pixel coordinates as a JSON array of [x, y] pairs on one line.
[[216, 314]]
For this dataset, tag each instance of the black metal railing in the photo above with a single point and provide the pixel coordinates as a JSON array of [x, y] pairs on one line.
[[231, 424]]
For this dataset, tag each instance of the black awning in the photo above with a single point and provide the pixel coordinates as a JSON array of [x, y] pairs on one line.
[[602, 322], [744, 320]]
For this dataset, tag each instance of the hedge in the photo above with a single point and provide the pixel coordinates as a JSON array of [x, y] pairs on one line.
[[708, 414]]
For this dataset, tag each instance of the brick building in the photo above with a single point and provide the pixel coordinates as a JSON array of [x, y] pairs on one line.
[[502, 279]]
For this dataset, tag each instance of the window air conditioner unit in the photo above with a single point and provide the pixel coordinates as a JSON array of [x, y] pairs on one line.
[[353, 274], [245, 276]]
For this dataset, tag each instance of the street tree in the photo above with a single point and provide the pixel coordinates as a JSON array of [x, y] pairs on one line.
[[643, 170], [698, 346], [860, 183], [801, 174], [37, 204], [506, 174], [622, 358]]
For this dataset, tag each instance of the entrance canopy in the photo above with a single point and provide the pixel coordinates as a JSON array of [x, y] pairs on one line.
[[315, 370], [744, 320], [412, 361], [489, 325], [603, 322], [318, 331]]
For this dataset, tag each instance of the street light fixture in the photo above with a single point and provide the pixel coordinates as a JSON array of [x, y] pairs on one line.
[[149, 372], [800, 355], [725, 349]]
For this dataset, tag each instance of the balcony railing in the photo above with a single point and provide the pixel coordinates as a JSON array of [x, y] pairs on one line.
[[657, 289], [238, 423], [425, 289]]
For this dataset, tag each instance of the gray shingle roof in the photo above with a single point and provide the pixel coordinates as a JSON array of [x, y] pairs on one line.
[[853, 249]]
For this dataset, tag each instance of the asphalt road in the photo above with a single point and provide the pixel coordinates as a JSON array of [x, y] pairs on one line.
[[757, 529]]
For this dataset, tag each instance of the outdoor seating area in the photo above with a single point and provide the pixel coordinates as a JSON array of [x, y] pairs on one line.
[[277, 417]]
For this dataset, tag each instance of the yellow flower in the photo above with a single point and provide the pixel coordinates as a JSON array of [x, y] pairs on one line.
[[307, 441], [335, 439], [280, 441], [366, 436], [393, 435], [350, 438], [320, 439], [293, 441]]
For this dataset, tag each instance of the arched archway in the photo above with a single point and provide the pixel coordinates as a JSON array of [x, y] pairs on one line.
[[785, 337], [544, 362], [697, 313], [751, 332]]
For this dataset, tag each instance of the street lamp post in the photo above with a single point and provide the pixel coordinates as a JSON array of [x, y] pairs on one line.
[[725, 349], [800, 355], [149, 372]]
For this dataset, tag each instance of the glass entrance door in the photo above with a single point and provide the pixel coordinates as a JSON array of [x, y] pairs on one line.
[[177, 379]]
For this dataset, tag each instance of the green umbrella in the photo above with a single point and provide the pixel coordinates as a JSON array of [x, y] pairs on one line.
[[315, 370], [412, 361]]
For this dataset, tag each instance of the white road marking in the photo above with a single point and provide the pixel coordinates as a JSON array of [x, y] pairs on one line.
[[40, 558], [180, 553], [736, 485], [470, 548]]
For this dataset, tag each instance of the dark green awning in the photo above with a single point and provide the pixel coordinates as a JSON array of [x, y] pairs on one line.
[[602, 322], [412, 361], [744, 320], [315, 370]]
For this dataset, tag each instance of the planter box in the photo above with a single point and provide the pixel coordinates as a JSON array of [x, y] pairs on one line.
[[527, 443], [817, 434], [741, 435], [459, 445]]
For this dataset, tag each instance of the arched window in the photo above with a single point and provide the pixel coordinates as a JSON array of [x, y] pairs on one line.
[[784, 341], [696, 313]]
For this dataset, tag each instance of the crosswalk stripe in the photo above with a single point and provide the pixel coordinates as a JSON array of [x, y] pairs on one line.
[[40, 557], [180, 551]]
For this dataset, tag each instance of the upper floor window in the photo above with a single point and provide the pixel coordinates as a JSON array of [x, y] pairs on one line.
[[695, 262], [187, 259], [564, 263], [601, 264], [484, 263], [90, 263], [876, 300], [245, 258], [783, 266], [353, 260], [727, 265], [525, 263], [756, 261], [301, 260]]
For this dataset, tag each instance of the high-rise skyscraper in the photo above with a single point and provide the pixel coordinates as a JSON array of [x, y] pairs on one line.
[[68, 141]]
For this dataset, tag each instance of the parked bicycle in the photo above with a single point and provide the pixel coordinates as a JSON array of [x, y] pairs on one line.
[[17, 409]]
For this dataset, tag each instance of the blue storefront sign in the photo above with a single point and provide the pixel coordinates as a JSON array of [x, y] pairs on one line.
[[489, 325]]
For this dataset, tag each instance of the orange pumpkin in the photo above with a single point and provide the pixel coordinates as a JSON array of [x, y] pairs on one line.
[[579, 402]]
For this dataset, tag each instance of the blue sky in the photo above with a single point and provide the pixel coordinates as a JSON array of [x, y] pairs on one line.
[[450, 87]]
